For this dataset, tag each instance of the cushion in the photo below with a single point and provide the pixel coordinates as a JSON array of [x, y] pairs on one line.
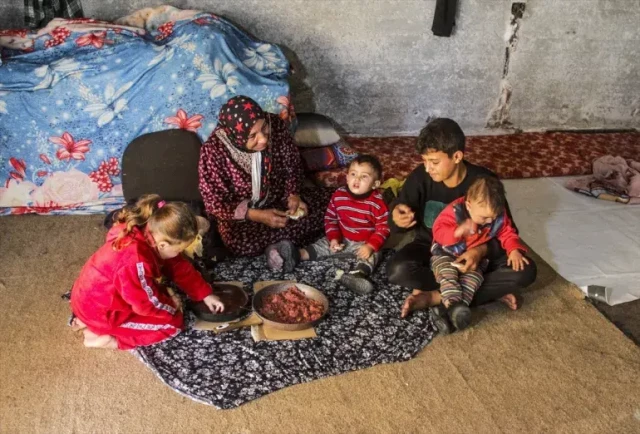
[[164, 163], [314, 130], [397, 155], [329, 178], [327, 157]]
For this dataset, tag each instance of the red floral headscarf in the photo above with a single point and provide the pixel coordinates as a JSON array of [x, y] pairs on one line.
[[236, 118]]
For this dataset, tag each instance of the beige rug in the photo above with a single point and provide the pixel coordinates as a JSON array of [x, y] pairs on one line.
[[556, 365]]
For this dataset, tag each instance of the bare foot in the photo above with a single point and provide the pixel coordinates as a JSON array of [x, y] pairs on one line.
[[419, 300], [77, 324], [92, 340], [510, 301]]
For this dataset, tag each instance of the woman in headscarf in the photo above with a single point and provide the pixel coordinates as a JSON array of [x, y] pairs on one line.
[[250, 179]]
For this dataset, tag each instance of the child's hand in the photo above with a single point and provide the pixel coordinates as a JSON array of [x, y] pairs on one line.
[[335, 246], [213, 303], [467, 227], [517, 260], [365, 252]]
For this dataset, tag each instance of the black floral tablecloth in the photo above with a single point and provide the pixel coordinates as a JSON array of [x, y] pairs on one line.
[[230, 369]]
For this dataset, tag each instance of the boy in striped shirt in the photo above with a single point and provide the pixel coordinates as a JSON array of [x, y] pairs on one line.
[[355, 223]]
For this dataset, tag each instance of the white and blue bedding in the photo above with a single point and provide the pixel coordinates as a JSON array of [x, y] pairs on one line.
[[74, 94]]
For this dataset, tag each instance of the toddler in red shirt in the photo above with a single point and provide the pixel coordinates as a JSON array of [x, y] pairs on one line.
[[466, 223], [355, 223]]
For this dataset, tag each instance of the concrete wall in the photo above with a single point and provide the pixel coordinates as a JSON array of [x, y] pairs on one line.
[[11, 14], [577, 65], [376, 69]]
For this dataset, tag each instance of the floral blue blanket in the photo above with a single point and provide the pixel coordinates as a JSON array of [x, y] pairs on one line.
[[74, 94]]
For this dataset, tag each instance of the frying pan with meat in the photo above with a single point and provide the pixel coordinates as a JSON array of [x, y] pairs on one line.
[[308, 291]]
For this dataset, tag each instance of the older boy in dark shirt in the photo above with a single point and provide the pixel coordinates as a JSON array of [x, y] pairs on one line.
[[443, 178]]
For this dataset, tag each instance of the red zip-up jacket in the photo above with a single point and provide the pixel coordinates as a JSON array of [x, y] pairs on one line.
[[117, 292]]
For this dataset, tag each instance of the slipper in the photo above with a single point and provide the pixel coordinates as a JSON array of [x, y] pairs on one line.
[[274, 260], [460, 315], [438, 314], [357, 282]]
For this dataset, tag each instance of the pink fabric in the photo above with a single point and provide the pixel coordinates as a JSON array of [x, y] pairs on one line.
[[619, 172], [634, 182]]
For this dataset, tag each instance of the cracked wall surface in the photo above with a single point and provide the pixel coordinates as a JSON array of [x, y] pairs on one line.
[[376, 69], [499, 115], [577, 65]]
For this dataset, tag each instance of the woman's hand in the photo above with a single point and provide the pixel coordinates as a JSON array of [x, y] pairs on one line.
[[294, 203], [303, 206], [213, 303], [273, 218], [403, 216]]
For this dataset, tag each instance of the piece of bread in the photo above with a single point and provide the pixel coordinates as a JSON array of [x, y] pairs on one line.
[[298, 214]]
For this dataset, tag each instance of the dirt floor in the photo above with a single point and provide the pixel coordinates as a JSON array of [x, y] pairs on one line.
[[556, 365]]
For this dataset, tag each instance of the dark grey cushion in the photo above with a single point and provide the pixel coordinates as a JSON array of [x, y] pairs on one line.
[[164, 163]]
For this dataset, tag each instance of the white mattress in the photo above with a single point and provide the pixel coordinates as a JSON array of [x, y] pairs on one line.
[[586, 240]]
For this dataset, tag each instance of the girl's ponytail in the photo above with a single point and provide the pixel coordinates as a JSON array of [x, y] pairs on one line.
[[173, 221]]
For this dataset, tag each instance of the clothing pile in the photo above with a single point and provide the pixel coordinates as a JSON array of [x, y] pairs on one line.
[[614, 179]]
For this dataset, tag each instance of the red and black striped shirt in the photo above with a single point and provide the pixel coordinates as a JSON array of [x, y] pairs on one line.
[[360, 220]]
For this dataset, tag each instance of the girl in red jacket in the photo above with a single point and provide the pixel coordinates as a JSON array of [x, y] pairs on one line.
[[118, 300]]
